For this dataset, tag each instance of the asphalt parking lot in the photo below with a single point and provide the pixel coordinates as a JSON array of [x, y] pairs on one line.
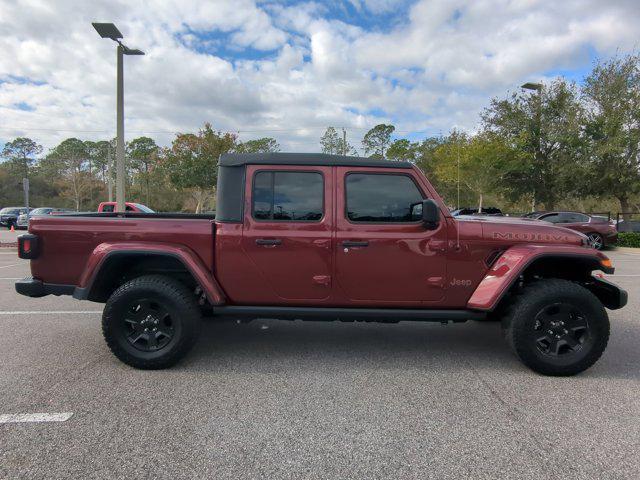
[[311, 400]]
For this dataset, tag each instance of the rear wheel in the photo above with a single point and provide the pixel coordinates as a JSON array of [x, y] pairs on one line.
[[596, 240], [151, 322], [557, 327]]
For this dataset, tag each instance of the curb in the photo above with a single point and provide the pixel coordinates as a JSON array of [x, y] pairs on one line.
[[632, 250]]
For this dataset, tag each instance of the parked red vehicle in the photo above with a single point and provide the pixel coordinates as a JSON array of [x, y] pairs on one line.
[[312, 236], [600, 231], [109, 207]]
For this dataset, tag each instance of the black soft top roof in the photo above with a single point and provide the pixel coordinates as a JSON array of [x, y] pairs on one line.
[[320, 159]]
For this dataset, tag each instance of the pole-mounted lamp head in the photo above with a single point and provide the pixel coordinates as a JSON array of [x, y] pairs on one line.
[[109, 30], [532, 86]]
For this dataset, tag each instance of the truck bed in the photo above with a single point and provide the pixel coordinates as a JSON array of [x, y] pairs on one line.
[[69, 240]]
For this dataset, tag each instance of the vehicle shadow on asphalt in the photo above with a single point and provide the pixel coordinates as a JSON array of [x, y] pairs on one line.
[[271, 345]]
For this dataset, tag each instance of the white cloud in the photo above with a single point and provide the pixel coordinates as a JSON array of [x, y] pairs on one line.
[[287, 70]]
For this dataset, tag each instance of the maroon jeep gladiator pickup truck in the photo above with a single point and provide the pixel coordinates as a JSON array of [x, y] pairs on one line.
[[312, 236]]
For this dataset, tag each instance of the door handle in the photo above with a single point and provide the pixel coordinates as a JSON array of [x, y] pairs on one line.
[[355, 243], [268, 241]]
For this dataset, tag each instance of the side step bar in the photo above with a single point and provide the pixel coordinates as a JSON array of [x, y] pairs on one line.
[[390, 315]]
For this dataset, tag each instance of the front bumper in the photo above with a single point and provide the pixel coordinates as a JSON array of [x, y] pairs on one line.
[[612, 296], [32, 287]]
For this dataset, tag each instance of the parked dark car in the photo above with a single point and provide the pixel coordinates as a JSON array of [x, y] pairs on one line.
[[9, 215], [600, 230], [23, 221], [492, 211]]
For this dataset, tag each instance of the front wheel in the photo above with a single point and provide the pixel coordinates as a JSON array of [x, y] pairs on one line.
[[557, 327], [151, 322]]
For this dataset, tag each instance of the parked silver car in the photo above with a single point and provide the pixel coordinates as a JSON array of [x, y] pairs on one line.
[[23, 223]]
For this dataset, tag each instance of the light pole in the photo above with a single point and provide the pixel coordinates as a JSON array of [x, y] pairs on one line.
[[537, 87], [109, 30]]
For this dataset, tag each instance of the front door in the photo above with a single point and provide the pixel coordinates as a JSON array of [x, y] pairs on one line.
[[384, 255], [287, 234]]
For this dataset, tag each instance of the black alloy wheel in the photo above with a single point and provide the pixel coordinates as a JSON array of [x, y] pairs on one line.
[[149, 325], [560, 329]]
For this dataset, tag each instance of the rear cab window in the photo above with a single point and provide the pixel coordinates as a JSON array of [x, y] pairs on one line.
[[288, 196]]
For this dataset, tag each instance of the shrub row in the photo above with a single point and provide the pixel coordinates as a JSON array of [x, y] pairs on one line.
[[629, 239]]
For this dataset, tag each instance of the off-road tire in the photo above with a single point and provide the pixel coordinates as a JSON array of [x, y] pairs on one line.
[[181, 309], [549, 299]]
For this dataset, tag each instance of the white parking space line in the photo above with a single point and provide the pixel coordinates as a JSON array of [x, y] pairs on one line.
[[10, 278], [35, 417], [52, 312], [13, 265]]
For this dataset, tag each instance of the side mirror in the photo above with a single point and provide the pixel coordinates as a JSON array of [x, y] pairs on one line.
[[430, 214]]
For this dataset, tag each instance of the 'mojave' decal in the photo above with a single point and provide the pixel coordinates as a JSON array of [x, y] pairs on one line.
[[532, 237]]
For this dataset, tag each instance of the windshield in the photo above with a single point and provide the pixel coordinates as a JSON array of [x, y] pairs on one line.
[[9, 210]]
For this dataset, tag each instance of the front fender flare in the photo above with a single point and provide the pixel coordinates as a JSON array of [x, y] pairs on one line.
[[514, 261], [185, 255]]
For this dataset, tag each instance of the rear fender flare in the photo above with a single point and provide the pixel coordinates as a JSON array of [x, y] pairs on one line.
[[514, 261], [192, 263]]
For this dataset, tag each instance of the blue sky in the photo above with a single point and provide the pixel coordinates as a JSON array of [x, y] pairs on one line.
[[289, 69]]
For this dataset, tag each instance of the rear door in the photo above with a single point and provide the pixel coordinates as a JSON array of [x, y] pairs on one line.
[[287, 234], [384, 255]]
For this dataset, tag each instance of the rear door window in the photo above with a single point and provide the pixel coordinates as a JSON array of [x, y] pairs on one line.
[[288, 196], [382, 198]]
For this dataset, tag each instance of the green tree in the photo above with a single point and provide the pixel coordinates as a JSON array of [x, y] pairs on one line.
[[330, 142], [333, 143], [21, 153], [545, 128], [69, 162], [376, 140], [402, 150], [259, 145], [100, 153], [143, 157], [477, 162], [192, 162], [612, 95]]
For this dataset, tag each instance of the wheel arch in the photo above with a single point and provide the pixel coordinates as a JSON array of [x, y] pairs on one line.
[[519, 264], [111, 265]]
